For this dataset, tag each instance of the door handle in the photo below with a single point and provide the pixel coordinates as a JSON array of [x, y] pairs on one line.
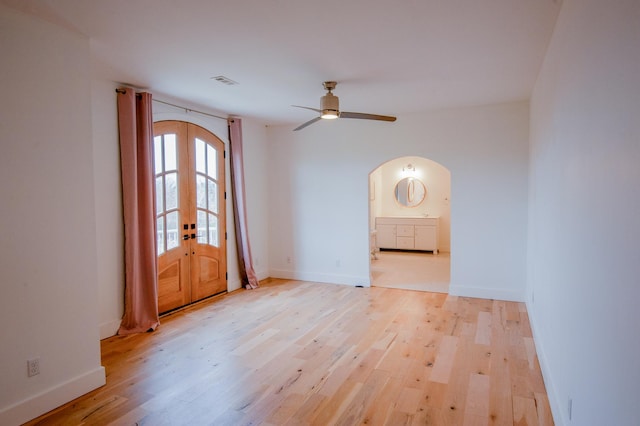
[[192, 236]]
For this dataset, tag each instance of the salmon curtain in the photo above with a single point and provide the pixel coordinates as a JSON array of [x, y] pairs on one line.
[[245, 264], [135, 126]]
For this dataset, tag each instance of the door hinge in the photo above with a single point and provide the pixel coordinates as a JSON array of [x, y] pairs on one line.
[[225, 235], [225, 195], [226, 276], [224, 154]]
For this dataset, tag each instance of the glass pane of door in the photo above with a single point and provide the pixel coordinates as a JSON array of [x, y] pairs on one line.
[[207, 193], [167, 192], [160, 234]]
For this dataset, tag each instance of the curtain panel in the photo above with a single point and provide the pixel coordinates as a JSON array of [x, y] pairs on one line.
[[135, 127], [245, 263]]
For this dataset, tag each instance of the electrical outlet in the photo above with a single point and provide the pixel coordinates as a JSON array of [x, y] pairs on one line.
[[33, 367]]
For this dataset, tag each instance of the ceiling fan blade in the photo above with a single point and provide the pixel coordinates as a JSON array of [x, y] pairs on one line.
[[345, 114], [302, 126], [312, 109]]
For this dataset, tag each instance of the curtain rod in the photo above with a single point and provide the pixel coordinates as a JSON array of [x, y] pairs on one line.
[[178, 106]]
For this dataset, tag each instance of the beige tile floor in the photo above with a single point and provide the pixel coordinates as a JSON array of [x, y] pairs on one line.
[[421, 271]]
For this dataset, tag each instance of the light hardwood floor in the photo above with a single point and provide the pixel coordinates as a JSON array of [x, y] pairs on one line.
[[411, 270], [296, 352]]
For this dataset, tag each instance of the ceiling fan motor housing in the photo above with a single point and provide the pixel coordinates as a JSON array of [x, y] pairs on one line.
[[329, 105]]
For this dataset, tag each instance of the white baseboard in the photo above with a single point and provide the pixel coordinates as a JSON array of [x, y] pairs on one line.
[[557, 409], [320, 277], [483, 293], [487, 293], [54, 397], [109, 328], [233, 285], [236, 284], [262, 275]]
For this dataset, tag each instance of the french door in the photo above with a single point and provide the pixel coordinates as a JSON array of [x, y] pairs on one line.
[[190, 212]]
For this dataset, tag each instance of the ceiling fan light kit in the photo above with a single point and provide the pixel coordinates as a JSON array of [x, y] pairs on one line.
[[330, 109], [329, 106]]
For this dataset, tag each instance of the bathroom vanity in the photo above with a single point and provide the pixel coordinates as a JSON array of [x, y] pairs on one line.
[[407, 233]]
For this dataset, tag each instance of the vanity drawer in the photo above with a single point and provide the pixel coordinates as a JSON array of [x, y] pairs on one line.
[[405, 230], [406, 243]]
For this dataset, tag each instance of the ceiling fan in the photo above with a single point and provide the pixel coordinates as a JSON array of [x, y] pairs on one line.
[[329, 109]]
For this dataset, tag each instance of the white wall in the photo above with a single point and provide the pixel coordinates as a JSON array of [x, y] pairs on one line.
[[584, 261], [257, 186], [108, 206], [319, 180], [47, 219], [109, 193], [437, 181]]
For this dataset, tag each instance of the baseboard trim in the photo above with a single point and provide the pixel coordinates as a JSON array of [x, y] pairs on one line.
[[109, 328], [487, 293], [557, 410], [351, 280], [233, 285], [54, 397], [262, 275]]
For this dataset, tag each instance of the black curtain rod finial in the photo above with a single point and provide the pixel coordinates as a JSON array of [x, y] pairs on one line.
[[123, 91]]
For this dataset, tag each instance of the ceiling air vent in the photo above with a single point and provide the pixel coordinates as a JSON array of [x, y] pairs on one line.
[[224, 80]]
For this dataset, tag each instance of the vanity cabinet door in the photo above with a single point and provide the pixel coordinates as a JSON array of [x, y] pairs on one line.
[[426, 238], [386, 236]]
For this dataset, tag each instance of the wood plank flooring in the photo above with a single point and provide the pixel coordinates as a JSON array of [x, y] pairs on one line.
[[295, 353], [408, 270]]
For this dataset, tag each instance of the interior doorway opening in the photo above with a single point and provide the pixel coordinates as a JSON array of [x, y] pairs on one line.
[[410, 225]]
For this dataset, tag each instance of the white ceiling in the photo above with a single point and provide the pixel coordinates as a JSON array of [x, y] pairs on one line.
[[388, 57]]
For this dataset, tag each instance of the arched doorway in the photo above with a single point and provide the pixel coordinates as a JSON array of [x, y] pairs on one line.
[[410, 223]]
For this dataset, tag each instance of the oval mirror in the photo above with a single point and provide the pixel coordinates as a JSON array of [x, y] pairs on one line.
[[410, 192]]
